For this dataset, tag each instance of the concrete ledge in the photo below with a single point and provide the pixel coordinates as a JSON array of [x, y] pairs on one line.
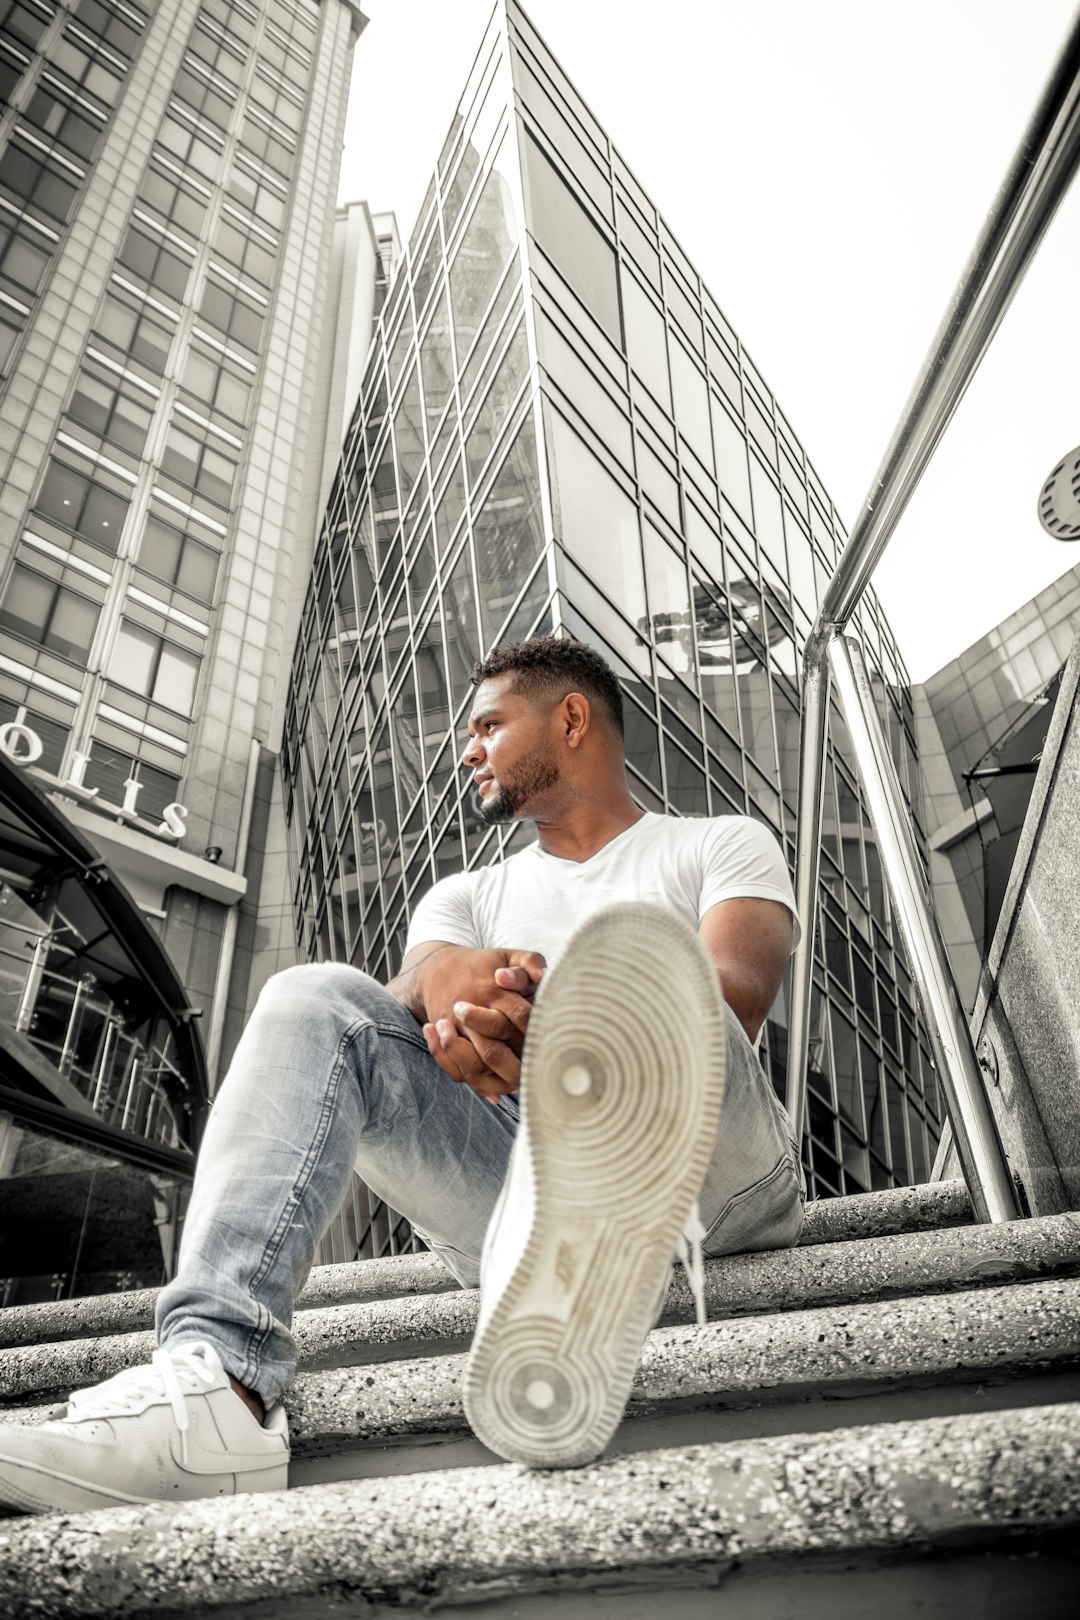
[[357, 1282], [428, 1539], [842, 1350], [787, 1280], [835, 1220]]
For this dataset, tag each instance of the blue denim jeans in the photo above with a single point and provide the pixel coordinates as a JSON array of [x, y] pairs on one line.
[[333, 1073]]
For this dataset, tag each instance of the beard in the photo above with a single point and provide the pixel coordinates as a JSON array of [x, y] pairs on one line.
[[533, 774]]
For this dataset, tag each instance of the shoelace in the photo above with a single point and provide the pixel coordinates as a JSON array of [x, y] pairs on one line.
[[689, 1252], [167, 1374]]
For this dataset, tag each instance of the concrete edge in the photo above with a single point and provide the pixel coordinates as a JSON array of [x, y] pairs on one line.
[[1003, 1331], [921, 1208], [740, 1286], [429, 1538]]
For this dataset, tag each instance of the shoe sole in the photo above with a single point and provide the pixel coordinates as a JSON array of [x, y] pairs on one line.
[[621, 1089]]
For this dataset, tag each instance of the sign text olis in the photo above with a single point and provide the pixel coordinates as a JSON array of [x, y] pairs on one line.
[[21, 744]]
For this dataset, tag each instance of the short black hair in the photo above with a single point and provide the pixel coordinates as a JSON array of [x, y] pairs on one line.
[[547, 665]]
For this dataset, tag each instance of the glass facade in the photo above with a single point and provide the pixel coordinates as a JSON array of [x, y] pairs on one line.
[[559, 431]]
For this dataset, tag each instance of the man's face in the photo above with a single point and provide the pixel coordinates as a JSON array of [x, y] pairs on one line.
[[511, 751]]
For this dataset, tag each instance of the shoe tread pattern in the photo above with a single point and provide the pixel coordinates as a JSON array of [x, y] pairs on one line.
[[617, 1167]]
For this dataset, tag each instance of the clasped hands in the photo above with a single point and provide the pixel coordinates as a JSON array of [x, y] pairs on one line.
[[478, 1005]]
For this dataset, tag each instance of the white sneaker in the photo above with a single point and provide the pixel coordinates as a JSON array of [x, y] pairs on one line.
[[622, 1081], [169, 1432]]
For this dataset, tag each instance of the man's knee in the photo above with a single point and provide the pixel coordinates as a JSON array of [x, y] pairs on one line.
[[333, 987]]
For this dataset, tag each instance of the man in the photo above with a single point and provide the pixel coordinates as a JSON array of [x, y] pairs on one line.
[[633, 1096]]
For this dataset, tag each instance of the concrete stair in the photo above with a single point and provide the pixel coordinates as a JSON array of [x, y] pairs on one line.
[[898, 1394]]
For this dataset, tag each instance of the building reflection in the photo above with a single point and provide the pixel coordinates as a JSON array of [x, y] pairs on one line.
[[558, 429]]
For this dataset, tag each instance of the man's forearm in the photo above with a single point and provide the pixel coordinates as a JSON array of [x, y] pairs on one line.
[[408, 986]]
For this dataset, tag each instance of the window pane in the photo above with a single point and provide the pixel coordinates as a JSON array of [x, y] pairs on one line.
[[731, 460], [132, 661], [102, 517], [669, 602], [691, 403], [25, 263], [579, 384], [437, 363], [71, 629], [200, 375], [509, 532], [177, 672], [769, 524], [597, 522], [61, 494], [27, 602], [646, 347], [159, 550], [197, 574], [571, 241], [478, 263], [91, 403]]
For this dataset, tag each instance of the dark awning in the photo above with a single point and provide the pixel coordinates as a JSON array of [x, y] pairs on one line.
[[110, 940]]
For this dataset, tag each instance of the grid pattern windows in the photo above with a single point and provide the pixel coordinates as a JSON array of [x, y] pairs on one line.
[[233, 311], [86, 502], [441, 539], [273, 146], [74, 120], [117, 407], [154, 667], [175, 202], [26, 246], [280, 105], [25, 21], [138, 335], [201, 457], [116, 27], [262, 193], [216, 385], [31, 176], [197, 145], [43, 603], [232, 20], [163, 263], [177, 563], [88, 65]]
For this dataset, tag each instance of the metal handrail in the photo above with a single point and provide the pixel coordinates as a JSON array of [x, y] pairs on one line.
[[1037, 180]]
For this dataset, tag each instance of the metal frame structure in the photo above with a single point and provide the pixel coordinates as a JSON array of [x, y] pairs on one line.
[[1037, 180]]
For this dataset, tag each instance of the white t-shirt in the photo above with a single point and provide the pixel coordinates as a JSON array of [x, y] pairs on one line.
[[534, 901]]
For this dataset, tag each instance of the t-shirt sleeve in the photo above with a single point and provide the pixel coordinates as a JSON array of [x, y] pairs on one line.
[[741, 859], [445, 913]]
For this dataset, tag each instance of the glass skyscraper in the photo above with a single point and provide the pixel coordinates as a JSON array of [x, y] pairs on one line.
[[558, 430]]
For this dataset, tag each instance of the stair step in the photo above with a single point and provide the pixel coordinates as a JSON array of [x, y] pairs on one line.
[[925, 1207], [694, 1424], [905, 1265], [764, 1360], [838, 1350], [678, 1515]]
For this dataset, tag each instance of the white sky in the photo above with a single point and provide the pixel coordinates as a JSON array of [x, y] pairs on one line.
[[827, 167]]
